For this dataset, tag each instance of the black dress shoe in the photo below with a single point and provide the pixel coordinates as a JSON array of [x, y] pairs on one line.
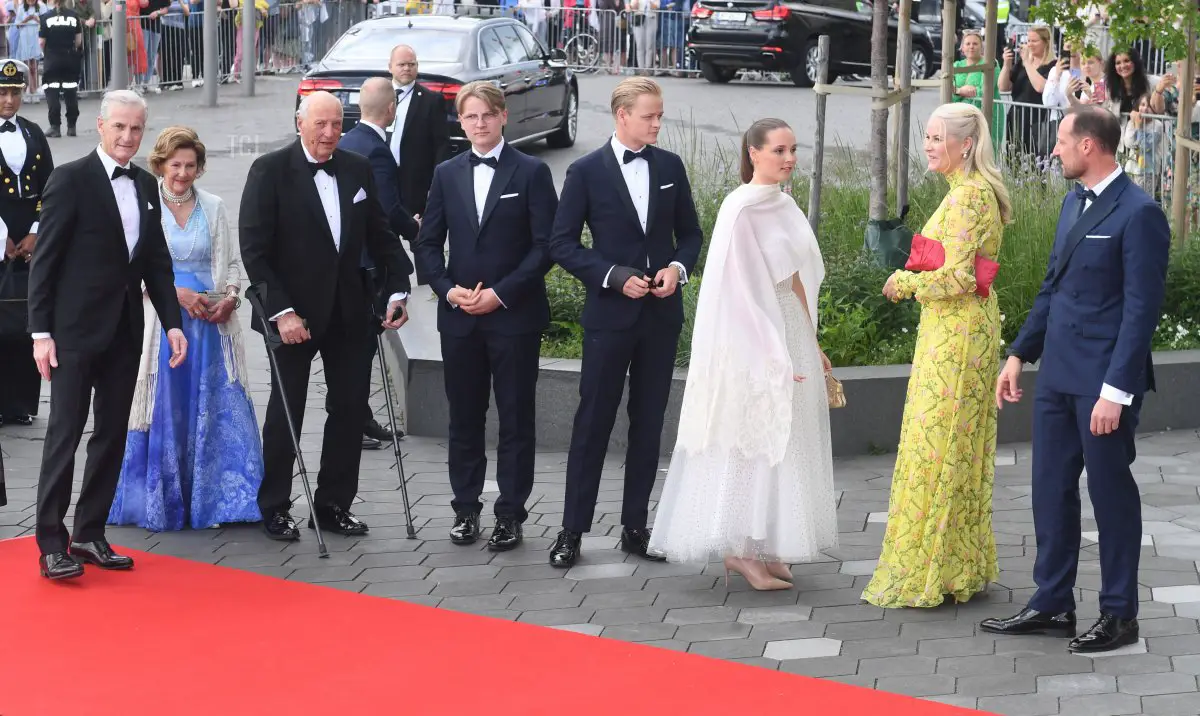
[[465, 529], [370, 443], [53, 132], [1031, 621], [100, 554], [636, 540], [25, 420], [59, 565], [1108, 633], [381, 433], [565, 549], [335, 519], [505, 535], [279, 525], [70, 131]]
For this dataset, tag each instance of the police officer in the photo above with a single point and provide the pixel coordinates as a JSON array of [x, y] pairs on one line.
[[25, 165], [62, 45]]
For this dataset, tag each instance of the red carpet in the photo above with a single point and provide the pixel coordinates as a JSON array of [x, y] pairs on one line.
[[180, 638]]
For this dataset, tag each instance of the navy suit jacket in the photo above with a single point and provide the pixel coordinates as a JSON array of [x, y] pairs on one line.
[[594, 193], [365, 141], [1099, 305], [505, 250]]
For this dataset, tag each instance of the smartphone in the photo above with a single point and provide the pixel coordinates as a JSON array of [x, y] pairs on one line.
[[1076, 73], [398, 313]]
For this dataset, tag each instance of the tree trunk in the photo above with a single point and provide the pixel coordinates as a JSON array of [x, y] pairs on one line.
[[879, 117]]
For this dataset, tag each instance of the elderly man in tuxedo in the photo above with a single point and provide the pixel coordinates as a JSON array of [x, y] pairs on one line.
[[646, 238], [1091, 327], [99, 239], [308, 211], [496, 206]]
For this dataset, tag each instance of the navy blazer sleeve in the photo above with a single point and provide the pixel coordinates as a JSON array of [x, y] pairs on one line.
[[430, 247], [1145, 251], [383, 246], [542, 202], [1031, 339], [387, 183], [689, 238], [566, 246]]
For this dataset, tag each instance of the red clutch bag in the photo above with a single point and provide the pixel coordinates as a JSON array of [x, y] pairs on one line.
[[929, 255]]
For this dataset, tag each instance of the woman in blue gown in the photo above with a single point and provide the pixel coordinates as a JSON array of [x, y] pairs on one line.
[[193, 457]]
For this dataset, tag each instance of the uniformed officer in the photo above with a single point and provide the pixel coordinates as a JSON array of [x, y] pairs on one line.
[[62, 42], [25, 165]]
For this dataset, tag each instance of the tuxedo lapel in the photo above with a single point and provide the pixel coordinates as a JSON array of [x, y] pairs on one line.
[[464, 181], [102, 185], [500, 178], [306, 192], [617, 179], [652, 193], [1097, 212], [143, 198]]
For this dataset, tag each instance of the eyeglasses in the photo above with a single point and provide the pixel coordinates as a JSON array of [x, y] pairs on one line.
[[487, 117]]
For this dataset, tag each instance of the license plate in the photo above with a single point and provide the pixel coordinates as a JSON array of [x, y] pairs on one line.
[[735, 18], [352, 99]]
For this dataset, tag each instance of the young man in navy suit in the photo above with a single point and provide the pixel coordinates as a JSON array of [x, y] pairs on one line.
[[646, 238], [377, 102], [1091, 326], [496, 206]]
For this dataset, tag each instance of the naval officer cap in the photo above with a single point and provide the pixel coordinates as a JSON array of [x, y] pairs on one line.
[[13, 73]]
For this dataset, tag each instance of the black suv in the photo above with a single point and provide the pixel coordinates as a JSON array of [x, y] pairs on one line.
[[781, 36]]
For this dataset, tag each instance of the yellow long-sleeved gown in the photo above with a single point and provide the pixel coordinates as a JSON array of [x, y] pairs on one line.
[[939, 538]]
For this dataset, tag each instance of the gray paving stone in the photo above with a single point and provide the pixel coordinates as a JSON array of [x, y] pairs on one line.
[[1136, 664], [537, 586], [614, 584], [962, 702], [1156, 684], [457, 574], [1076, 684], [399, 589], [855, 613], [467, 587], [729, 648], [897, 666], [715, 632], [1171, 705], [641, 632], [392, 574], [820, 666], [997, 685], [962, 646], [917, 685], [773, 615], [792, 649], [326, 574], [876, 629], [975, 666], [866, 648], [701, 615], [614, 600], [477, 604], [1025, 705], [787, 630], [558, 617], [1174, 645], [537, 602], [680, 600], [1056, 664], [1101, 705], [631, 615], [678, 584]]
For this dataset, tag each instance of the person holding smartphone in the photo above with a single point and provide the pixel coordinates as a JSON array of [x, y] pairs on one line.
[[1024, 74]]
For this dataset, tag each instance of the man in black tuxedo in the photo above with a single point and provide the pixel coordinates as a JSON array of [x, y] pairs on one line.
[[418, 136], [377, 101], [307, 212], [100, 238], [646, 238], [497, 206]]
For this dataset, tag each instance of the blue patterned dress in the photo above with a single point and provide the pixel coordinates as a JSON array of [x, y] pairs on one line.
[[200, 463]]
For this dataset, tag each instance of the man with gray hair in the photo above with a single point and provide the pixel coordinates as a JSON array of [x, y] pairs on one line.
[[100, 239]]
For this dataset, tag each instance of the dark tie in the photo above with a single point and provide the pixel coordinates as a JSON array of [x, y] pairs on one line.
[[630, 156], [8, 127], [1084, 196], [119, 172], [476, 160], [327, 166]]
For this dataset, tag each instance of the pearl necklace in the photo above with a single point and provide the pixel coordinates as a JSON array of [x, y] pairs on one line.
[[178, 199]]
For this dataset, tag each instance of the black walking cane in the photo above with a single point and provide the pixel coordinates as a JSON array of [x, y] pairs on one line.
[[380, 302], [274, 341]]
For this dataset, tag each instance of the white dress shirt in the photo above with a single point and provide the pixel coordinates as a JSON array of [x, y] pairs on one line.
[[1107, 391], [127, 203], [12, 144], [403, 102], [637, 180]]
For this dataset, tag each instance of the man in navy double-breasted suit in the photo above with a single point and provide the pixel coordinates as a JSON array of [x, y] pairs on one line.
[[496, 206], [646, 238], [1091, 326]]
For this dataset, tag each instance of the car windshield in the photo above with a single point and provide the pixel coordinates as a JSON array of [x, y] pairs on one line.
[[369, 44]]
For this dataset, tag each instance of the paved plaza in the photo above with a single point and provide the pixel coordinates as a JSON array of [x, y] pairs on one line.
[[820, 628]]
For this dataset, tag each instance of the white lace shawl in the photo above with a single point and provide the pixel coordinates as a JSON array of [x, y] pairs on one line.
[[738, 395]]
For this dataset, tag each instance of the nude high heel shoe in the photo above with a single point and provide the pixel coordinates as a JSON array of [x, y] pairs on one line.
[[779, 570], [755, 573]]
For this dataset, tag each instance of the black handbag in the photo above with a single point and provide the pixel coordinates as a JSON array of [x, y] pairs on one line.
[[14, 301]]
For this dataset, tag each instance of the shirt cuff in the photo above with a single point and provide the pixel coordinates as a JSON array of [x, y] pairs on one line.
[[605, 284], [682, 271], [501, 300], [282, 313], [398, 297], [39, 336], [33, 228], [1114, 395]]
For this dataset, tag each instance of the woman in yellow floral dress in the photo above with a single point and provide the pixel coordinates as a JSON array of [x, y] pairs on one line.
[[939, 538]]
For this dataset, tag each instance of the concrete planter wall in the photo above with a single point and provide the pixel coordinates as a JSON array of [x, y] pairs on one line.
[[870, 421]]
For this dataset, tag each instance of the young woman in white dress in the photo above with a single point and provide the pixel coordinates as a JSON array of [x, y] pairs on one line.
[[751, 477]]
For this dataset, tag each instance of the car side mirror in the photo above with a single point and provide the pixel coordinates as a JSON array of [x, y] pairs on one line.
[[557, 55]]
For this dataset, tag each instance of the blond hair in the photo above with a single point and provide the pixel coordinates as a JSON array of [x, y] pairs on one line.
[[1047, 39], [174, 139], [965, 121], [628, 90], [487, 92]]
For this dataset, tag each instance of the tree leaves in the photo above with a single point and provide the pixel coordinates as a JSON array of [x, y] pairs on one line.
[[1162, 22]]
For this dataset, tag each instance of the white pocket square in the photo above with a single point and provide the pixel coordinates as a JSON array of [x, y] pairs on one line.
[[1098, 236], [666, 186], [508, 196], [149, 206], [360, 196]]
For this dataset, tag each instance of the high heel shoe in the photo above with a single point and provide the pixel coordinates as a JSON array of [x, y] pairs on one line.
[[779, 570], [755, 573]]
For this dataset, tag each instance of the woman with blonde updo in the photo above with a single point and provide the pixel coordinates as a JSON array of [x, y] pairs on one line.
[[193, 455], [939, 539]]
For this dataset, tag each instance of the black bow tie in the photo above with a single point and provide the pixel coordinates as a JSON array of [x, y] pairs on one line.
[[8, 127], [1084, 195], [327, 166], [118, 172], [476, 160], [630, 156]]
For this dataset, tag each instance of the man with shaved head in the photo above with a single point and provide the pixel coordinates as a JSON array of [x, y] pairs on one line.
[[418, 135], [308, 212]]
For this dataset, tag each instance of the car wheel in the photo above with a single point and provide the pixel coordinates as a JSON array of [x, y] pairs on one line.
[[717, 75], [922, 64], [565, 136], [804, 74]]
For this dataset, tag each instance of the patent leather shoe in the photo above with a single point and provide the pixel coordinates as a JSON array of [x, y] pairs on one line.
[[100, 554], [279, 525], [370, 443], [565, 549], [636, 540], [465, 529], [505, 535], [335, 519], [1108, 633], [1031, 621], [59, 565]]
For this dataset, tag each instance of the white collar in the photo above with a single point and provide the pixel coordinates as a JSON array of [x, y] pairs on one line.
[[108, 162], [1106, 181], [404, 88], [619, 149], [494, 153], [12, 119], [378, 130]]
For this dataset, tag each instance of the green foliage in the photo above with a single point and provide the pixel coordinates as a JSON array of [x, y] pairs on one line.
[[1162, 22]]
